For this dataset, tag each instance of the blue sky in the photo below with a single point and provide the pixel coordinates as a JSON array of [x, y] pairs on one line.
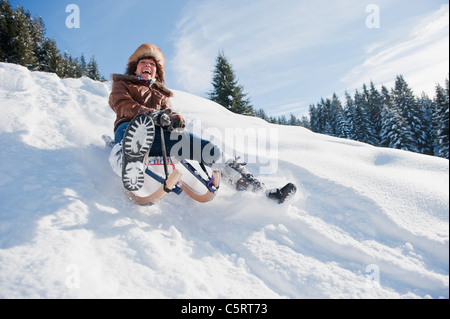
[[286, 54]]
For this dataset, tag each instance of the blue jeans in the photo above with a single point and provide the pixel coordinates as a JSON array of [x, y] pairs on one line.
[[184, 145]]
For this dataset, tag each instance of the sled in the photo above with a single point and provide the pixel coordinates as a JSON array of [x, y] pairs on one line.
[[164, 175], [189, 177]]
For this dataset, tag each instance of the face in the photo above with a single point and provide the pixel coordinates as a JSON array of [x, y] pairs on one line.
[[146, 69]]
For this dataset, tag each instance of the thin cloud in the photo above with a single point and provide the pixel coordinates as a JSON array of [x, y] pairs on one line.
[[295, 52], [259, 37], [422, 58]]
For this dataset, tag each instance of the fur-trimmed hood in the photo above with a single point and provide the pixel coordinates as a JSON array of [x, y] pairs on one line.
[[134, 80], [147, 51]]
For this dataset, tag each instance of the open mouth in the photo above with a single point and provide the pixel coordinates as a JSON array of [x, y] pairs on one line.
[[146, 71]]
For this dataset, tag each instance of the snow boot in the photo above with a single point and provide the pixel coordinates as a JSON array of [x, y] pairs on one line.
[[280, 195], [115, 159], [137, 141], [236, 173]]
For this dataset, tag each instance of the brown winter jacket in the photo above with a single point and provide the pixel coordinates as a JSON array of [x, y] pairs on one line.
[[131, 96]]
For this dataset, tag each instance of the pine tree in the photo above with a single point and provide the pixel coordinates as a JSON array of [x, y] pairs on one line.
[[348, 130], [273, 120], [325, 115], [83, 65], [21, 44], [441, 118], [321, 118], [77, 72], [293, 120], [6, 21], [92, 70], [375, 105], [33, 37], [282, 120], [226, 90], [39, 43], [361, 121], [395, 132], [314, 120], [428, 109], [406, 102], [337, 118], [52, 59], [66, 71], [305, 122], [23, 41], [261, 114]]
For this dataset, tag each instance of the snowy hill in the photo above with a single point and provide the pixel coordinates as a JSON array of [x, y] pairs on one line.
[[366, 222]]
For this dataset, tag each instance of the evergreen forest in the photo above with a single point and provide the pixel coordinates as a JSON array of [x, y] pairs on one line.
[[393, 118], [23, 42]]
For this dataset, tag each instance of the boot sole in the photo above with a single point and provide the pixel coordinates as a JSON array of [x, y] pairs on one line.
[[137, 142]]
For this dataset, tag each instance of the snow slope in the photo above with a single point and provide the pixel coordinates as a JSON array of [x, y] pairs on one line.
[[366, 222]]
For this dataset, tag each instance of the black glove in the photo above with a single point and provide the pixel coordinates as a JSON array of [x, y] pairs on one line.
[[167, 119], [162, 118]]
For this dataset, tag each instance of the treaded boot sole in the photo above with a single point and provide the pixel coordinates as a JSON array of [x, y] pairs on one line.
[[137, 141]]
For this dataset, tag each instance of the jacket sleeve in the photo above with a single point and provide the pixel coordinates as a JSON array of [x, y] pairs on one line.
[[166, 103], [123, 104]]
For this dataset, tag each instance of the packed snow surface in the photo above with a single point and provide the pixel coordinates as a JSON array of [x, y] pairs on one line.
[[366, 222]]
